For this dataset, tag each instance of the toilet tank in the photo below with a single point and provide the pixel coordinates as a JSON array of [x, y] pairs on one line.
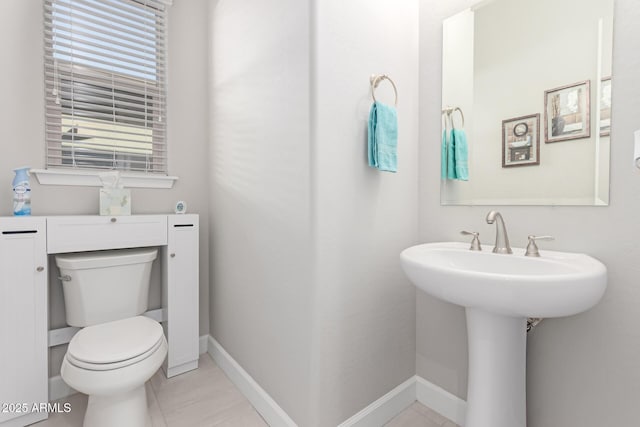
[[103, 286]]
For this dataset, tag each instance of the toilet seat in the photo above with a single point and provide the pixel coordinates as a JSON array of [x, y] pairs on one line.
[[115, 345]]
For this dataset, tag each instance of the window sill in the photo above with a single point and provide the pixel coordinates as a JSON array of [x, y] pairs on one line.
[[90, 178]]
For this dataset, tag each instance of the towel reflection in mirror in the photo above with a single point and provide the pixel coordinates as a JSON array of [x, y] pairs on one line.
[[455, 149]]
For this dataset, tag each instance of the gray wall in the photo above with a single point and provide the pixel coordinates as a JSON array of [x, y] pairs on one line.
[[307, 293], [261, 287], [22, 121], [364, 334], [584, 370]]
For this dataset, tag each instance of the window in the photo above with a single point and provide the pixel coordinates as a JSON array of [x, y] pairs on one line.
[[105, 64]]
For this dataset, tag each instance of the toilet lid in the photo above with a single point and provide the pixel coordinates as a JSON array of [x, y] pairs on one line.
[[115, 341]]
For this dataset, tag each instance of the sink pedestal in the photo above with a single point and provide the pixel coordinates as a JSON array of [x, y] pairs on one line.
[[496, 393], [499, 292]]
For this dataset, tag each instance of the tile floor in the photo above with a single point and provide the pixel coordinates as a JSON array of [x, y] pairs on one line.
[[418, 415], [206, 397]]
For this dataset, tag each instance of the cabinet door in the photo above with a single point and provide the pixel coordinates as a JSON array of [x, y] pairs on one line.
[[180, 293], [23, 318]]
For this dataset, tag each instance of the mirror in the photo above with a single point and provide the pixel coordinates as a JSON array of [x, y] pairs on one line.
[[526, 84]]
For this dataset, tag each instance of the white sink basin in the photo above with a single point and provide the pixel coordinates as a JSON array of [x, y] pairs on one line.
[[499, 292], [556, 284]]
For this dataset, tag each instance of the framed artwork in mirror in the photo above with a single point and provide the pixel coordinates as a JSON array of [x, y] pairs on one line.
[[521, 141], [566, 112], [605, 106]]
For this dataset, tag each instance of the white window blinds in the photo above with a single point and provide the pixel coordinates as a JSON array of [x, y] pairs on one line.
[[105, 64]]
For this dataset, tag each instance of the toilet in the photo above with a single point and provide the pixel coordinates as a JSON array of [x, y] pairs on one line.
[[117, 350]]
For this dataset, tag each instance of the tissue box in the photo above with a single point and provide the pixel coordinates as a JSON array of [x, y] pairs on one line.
[[115, 201]]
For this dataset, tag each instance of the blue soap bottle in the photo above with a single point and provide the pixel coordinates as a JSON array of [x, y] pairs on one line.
[[21, 192]]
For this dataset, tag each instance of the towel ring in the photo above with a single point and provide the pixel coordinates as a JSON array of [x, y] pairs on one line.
[[461, 115], [375, 81], [448, 111], [446, 116]]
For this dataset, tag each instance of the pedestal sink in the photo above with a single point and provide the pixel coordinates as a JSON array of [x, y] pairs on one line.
[[499, 292]]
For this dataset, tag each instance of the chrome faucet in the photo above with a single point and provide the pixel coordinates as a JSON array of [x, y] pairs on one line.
[[502, 240]]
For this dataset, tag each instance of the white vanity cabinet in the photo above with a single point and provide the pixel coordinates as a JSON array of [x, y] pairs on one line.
[[24, 336], [177, 238], [23, 320], [180, 293]]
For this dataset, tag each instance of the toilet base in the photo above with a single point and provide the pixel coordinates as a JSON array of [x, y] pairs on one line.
[[123, 410], [117, 397]]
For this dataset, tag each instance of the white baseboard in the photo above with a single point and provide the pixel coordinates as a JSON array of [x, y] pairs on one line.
[[204, 344], [273, 414], [384, 409], [58, 389], [393, 403], [441, 401], [376, 414]]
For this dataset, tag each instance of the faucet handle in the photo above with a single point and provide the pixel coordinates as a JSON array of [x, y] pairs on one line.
[[532, 248], [475, 242]]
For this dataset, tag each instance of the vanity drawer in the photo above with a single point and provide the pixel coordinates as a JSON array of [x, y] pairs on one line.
[[92, 233]]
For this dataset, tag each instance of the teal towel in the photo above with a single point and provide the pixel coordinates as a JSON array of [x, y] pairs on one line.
[[383, 137], [461, 150], [451, 156]]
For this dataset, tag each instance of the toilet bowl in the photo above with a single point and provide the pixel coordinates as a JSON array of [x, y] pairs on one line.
[[118, 350], [102, 362]]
